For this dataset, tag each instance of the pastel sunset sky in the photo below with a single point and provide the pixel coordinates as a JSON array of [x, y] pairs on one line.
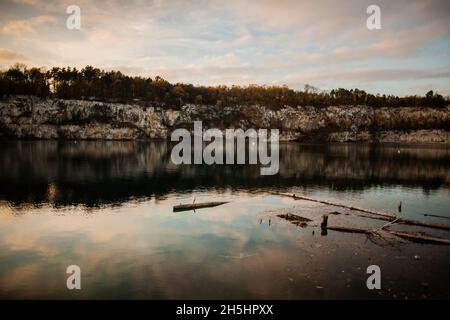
[[292, 42]]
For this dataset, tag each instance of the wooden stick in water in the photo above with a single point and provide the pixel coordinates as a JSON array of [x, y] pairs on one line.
[[185, 207], [381, 215], [435, 215], [407, 235], [351, 230], [420, 237]]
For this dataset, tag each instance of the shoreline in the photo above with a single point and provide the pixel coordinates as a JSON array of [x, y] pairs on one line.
[[311, 143]]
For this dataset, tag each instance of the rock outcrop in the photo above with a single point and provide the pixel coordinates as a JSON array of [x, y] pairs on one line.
[[32, 118]]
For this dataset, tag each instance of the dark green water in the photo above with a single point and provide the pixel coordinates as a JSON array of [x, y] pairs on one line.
[[107, 207]]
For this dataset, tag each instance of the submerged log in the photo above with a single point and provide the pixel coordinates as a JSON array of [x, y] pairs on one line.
[[324, 226], [435, 215], [351, 230], [192, 206], [420, 237], [379, 215], [417, 236], [295, 219], [324, 223]]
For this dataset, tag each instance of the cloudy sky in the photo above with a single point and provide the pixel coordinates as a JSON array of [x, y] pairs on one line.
[[292, 42]]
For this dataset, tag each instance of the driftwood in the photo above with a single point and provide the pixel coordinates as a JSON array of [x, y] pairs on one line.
[[420, 237], [324, 226], [412, 222], [435, 215], [378, 215], [351, 230], [417, 237], [192, 206], [295, 219], [324, 223]]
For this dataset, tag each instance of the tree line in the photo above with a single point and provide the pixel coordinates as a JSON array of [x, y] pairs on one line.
[[91, 83]]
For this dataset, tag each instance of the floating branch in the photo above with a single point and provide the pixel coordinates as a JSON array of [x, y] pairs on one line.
[[394, 219], [295, 219], [420, 237], [335, 204], [379, 215], [192, 206], [435, 215], [417, 237], [324, 226], [351, 230]]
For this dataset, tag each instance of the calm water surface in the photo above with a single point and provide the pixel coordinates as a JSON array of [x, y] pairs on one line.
[[107, 207]]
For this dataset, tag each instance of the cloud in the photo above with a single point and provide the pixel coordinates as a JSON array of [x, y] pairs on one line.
[[27, 2], [368, 74], [235, 41], [361, 76], [9, 55], [26, 27]]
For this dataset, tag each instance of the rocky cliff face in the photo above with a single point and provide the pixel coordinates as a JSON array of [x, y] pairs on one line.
[[29, 117]]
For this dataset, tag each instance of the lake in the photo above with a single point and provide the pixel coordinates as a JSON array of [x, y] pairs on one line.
[[107, 207]]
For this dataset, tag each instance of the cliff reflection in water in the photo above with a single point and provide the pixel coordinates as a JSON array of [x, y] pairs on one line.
[[95, 173]]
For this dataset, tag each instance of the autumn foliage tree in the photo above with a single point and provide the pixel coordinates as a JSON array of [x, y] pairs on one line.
[[92, 83]]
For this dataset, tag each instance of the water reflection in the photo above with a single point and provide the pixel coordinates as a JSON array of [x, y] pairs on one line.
[[107, 207], [95, 173], [147, 251]]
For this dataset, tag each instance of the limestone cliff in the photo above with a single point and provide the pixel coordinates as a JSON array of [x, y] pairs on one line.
[[32, 118]]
